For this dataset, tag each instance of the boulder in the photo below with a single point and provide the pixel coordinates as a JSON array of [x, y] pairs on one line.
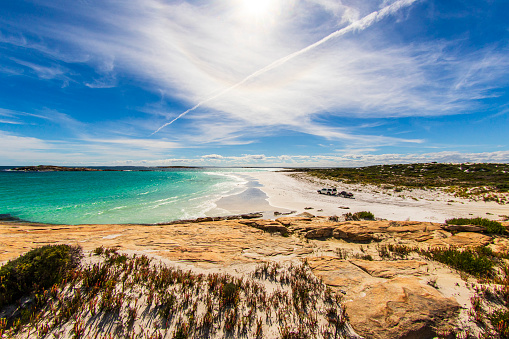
[[387, 299], [305, 214], [400, 308], [266, 225], [289, 221], [252, 216], [468, 239], [319, 232], [464, 228], [355, 233]]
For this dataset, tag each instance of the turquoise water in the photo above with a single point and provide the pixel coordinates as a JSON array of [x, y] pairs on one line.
[[114, 197]]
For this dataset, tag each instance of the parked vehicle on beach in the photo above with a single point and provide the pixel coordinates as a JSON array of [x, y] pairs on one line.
[[328, 191], [346, 194], [334, 191]]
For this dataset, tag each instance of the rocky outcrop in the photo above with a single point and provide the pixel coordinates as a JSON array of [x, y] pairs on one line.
[[387, 299], [391, 269], [266, 225], [320, 232], [468, 239], [464, 228]]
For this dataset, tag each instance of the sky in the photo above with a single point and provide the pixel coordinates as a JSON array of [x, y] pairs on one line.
[[253, 82]]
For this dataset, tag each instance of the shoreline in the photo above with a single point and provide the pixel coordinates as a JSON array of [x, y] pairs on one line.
[[298, 191], [292, 193]]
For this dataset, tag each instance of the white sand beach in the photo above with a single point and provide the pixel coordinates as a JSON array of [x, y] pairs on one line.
[[284, 192]]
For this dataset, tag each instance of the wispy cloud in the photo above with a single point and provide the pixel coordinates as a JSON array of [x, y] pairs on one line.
[[213, 56]]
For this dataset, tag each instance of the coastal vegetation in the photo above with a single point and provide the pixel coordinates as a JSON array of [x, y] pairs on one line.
[[133, 297], [487, 182], [490, 303], [493, 227]]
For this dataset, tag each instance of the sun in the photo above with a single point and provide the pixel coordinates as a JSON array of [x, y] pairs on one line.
[[257, 8]]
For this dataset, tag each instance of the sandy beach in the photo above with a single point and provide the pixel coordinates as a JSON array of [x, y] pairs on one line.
[[347, 257], [268, 192]]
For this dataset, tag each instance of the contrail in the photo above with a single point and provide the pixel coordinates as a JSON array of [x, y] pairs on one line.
[[358, 25]]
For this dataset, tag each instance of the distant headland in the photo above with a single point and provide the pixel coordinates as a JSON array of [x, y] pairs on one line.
[[50, 168]]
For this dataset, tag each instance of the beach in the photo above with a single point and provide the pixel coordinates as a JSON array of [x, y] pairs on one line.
[[363, 263], [271, 191]]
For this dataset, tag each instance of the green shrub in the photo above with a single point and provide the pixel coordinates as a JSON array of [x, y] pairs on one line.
[[359, 216], [477, 262], [491, 226], [36, 270], [364, 215], [230, 294]]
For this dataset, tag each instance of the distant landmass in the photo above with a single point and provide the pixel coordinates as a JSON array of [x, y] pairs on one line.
[[50, 168]]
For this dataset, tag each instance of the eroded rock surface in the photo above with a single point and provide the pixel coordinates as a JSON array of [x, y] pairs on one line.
[[386, 299]]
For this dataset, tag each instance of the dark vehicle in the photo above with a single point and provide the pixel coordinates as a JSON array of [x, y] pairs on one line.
[[346, 194]]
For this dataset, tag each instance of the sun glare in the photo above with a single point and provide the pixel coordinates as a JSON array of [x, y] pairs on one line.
[[257, 8]]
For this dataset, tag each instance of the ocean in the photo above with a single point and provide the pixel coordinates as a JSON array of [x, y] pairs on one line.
[[116, 197]]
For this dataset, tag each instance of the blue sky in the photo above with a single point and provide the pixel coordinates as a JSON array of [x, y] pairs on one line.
[[253, 82]]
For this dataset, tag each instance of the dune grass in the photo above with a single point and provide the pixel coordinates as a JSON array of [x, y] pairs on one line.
[[133, 297]]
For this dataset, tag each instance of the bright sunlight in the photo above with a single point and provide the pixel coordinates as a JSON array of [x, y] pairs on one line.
[[257, 7]]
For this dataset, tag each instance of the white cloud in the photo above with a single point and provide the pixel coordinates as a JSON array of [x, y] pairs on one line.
[[194, 50]]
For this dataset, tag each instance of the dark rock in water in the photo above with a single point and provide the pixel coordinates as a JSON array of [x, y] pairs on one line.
[[305, 215], [281, 213], [8, 217], [252, 215]]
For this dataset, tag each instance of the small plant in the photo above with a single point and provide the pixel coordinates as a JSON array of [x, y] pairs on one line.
[[342, 253], [182, 332], [357, 216], [229, 294], [433, 282]]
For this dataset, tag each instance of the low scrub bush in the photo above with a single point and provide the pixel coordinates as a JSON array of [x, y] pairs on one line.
[[491, 226], [477, 262], [364, 215], [36, 270]]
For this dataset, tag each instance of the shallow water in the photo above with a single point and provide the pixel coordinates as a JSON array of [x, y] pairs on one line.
[[115, 197]]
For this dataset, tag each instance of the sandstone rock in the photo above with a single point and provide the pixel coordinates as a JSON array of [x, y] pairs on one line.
[[468, 239], [252, 216], [305, 215], [266, 225], [205, 219], [390, 269], [500, 245], [355, 233], [320, 232], [464, 228], [289, 221], [399, 307]]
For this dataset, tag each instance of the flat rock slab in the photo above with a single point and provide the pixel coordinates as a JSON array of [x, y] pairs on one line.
[[217, 243], [468, 239], [390, 269], [398, 307]]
